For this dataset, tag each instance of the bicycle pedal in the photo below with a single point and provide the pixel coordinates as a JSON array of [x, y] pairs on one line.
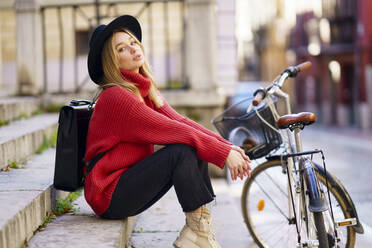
[[346, 222]]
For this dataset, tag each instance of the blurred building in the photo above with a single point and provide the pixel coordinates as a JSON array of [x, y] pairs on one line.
[[338, 42], [189, 44], [170, 30], [335, 35]]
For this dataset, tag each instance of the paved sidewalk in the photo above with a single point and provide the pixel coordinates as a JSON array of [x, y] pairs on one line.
[[159, 226], [348, 156]]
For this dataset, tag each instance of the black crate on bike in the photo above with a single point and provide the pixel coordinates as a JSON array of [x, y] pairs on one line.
[[247, 130]]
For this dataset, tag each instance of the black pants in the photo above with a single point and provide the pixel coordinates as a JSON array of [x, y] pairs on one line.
[[148, 180]]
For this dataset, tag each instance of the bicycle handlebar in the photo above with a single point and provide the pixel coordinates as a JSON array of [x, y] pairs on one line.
[[258, 96], [291, 71], [304, 66], [294, 70]]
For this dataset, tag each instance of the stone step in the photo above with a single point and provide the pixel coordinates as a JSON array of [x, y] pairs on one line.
[[12, 108], [26, 197], [22, 138], [160, 225], [84, 229]]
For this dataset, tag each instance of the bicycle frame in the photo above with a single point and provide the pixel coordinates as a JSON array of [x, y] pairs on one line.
[[310, 188], [305, 181]]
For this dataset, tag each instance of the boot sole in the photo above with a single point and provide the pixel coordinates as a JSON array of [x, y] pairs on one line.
[[186, 243]]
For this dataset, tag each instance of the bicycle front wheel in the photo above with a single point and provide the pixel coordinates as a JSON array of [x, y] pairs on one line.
[[265, 207]]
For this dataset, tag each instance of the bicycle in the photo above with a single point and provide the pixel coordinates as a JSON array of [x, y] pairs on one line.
[[289, 200]]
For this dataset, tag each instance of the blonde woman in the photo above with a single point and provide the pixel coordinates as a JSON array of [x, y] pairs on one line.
[[125, 175]]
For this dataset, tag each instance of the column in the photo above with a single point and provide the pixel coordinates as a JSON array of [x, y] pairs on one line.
[[1, 59], [201, 44], [30, 68]]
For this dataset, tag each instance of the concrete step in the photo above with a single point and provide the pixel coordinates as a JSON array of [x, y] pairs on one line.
[[84, 229], [20, 139], [160, 225], [12, 108], [26, 197]]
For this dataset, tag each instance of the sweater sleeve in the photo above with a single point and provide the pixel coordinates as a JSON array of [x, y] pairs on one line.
[[133, 121], [171, 113]]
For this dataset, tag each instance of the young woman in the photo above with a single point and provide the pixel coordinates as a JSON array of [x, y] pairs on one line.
[[130, 116]]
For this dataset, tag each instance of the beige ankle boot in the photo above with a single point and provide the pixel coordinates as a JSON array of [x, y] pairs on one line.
[[197, 232]]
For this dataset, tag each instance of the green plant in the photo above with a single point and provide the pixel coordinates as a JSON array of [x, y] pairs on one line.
[[53, 108], [3, 123], [194, 116], [66, 205], [53, 139], [43, 146], [47, 220], [14, 165], [51, 142], [22, 115], [37, 112], [174, 84]]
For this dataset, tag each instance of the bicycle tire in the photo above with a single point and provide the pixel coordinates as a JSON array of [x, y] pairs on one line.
[[321, 231], [341, 201], [337, 196]]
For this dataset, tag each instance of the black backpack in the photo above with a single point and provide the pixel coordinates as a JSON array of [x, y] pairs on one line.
[[71, 142]]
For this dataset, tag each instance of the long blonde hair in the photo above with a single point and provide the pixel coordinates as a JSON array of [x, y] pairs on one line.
[[113, 77]]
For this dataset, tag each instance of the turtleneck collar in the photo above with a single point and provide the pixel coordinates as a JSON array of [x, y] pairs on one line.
[[143, 83]]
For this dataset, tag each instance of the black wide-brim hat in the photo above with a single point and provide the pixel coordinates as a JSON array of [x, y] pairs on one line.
[[100, 35]]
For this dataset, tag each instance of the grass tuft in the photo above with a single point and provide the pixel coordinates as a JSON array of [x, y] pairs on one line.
[[14, 165], [53, 108], [37, 112], [47, 219], [3, 123], [51, 142], [66, 205], [43, 146]]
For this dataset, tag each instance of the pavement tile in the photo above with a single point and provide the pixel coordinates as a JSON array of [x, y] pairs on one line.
[[159, 225]]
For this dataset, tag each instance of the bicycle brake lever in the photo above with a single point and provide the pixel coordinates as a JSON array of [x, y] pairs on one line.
[[249, 109]]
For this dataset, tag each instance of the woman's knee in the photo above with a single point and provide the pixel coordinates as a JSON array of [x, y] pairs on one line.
[[182, 150]]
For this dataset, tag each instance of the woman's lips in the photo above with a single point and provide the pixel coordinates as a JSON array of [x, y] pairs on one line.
[[137, 57]]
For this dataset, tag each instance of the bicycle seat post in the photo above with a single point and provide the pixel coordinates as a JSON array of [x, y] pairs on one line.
[[298, 139]]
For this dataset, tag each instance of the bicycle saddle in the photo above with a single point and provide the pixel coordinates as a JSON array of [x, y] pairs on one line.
[[303, 119]]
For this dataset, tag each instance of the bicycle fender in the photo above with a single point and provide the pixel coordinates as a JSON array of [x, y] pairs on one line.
[[317, 203], [338, 186], [344, 194]]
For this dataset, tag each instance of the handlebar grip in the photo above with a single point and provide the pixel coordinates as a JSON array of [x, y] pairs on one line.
[[304, 66], [258, 96]]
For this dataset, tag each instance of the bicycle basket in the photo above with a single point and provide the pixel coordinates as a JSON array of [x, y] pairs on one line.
[[247, 130]]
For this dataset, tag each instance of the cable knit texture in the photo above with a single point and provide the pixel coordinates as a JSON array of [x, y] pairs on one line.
[[129, 128]]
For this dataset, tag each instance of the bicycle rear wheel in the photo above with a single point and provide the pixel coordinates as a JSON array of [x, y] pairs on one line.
[[265, 207], [321, 231]]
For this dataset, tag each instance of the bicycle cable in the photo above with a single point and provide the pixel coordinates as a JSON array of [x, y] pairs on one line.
[[270, 104]]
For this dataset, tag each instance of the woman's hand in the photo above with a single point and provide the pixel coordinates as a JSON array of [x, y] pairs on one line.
[[237, 164], [241, 151]]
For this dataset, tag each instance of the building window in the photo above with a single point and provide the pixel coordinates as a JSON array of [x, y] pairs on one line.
[[82, 42]]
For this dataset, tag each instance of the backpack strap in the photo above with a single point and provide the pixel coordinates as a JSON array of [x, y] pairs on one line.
[[91, 163]]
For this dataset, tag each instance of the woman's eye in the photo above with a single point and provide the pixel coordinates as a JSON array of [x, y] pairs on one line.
[[121, 49], [133, 43]]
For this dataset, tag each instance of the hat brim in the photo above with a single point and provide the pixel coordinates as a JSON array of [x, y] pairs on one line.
[[94, 57]]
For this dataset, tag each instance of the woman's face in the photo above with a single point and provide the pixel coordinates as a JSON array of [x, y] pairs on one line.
[[130, 52]]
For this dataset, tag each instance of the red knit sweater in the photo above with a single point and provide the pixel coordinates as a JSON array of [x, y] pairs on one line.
[[129, 128]]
